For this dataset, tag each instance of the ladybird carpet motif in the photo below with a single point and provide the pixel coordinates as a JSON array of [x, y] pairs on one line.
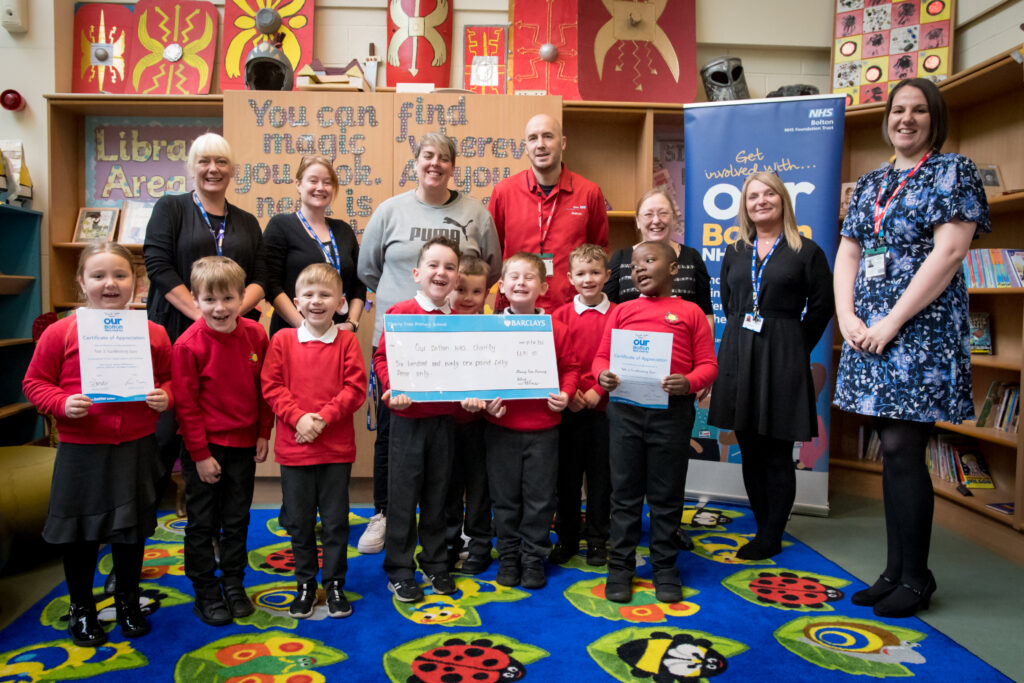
[[788, 618]]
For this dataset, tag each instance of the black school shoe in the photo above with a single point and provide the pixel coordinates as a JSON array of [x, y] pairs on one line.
[[442, 583], [533, 575], [406, 590], [129, 615], [683, 540], [876, 592], [619, 588], [597, 554], [83, 625], [563, 552], [338, 606], [476, 564], [509, 572], [238, 601], [212, 610], [906, 600], [667, 587], [305, 601]]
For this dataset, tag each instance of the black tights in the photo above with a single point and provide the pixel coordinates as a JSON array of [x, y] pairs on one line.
[[770, 479], [909, 499], [80, 567]]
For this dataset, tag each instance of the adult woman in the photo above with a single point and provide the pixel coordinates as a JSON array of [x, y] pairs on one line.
[[307, 236], [655, 217], [389, 251], [901, 304], [765, 391]]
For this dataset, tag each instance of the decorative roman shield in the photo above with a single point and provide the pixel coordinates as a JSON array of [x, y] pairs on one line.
[[101, 44], [172, 47], [637, 50], [549, 24], [241, 35], [419, 42], [484, 59]]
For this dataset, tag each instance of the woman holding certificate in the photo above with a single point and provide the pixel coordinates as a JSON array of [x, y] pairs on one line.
[[307, 236], [777, 295], [103, 478], [901, 304]]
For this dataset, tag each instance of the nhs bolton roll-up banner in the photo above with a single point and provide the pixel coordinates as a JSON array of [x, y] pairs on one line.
[[801, 140]]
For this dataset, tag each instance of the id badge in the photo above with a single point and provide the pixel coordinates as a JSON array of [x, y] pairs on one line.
[[549, 263], [874, 264], [752, 322]]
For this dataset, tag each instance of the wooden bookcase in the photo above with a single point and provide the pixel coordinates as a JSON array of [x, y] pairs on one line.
[[986, 104]]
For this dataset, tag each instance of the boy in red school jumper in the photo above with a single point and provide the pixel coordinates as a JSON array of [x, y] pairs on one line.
[[583, 433], [468, 508], [314, 380], [649, 447], [420, 450], [225, 425], [522, 442]]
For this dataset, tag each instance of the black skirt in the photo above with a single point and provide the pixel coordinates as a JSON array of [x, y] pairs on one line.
[[103, 492]]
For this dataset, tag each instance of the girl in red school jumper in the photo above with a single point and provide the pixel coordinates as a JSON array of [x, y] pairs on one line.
[[103, 488]]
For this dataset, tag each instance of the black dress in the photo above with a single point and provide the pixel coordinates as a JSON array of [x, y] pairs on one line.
[[764, 380], [691, 283], [289, 249]]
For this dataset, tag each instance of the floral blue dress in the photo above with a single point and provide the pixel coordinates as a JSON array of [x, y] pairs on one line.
[[924, 374]]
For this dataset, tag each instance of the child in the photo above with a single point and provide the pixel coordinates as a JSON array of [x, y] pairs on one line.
[[469, 472], [225, 424], [583, 433], [103, 488], [420, 446], [314, 380], [649, 447], [522, 442]]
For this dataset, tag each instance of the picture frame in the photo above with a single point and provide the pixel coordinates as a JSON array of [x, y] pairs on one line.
[[140, 295], [96, 223], [845, 195], [991, 180], [134, 219]]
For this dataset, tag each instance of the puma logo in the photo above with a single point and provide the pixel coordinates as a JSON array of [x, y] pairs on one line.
[[452, 221]]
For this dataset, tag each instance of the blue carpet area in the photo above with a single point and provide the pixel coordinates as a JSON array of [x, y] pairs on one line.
[[789, 618]]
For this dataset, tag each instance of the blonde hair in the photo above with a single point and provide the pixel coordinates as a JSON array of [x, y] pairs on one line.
[[217, 274], [320, 274], [473, 265], [589, 252], [207, 144], [536, 261], [442, 142], [98, 247], [789, 229]]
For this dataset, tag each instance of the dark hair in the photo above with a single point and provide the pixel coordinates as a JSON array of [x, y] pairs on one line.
[[472, 265], [937, 111], [444, 242]]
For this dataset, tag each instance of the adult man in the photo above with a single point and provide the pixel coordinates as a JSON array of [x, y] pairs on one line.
[[548, 210]]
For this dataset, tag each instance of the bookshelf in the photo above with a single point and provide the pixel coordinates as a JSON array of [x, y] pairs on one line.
[[985, 105]]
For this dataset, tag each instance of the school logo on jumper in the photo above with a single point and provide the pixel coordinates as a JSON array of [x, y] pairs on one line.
[[671, 318], [425, 234]]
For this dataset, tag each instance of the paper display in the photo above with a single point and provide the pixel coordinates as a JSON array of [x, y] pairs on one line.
[[448, 358], [114, 355], [641, 360]]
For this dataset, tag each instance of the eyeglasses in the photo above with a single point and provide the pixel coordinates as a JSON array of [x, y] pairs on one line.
[[664, 215]]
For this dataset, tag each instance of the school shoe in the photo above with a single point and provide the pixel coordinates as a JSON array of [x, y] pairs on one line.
[[880, 589], [406, 590], [563, 552], [305, 601], [83, 626], [476, 564], [212, 610], [238, 601], [758, 550], [442, 583], [667, 587], [683, 540], [129, 615], [597, 554], [338, 606], [372, 540], [906, 600], [509, 572], [533, 574], [618, 588]]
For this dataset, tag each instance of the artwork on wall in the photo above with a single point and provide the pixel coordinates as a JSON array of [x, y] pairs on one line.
[[241, 36], [552, 27], [96, 223], [642, 51], [100, 45], [171, 48], [879, 42], [419, 42], [484, 59]]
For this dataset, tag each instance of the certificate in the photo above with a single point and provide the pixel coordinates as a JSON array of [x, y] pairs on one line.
[[641, 360], [114, 354], [452, 357]]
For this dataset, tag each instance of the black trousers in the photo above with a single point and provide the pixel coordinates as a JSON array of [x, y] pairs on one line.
[[583, 450], [380, 451], [218, 511], [469, 502], [649, 451], [521, 469], [419, 468], [306, 489]]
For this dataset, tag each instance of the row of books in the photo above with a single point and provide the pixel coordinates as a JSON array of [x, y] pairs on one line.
[[953, 458], [1001, 407], [993, 268]]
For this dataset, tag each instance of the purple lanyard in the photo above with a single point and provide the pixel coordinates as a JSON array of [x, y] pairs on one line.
[[332, 255]]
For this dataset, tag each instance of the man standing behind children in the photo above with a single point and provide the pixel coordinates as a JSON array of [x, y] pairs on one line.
[[314, 380], [649, 447], [225, 425], [583, 433], [522, 442]]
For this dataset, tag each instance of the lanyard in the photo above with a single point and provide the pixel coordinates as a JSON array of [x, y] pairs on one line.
[[218, 235], [880, 211], [756, 273], [332, 255], [542, 224]]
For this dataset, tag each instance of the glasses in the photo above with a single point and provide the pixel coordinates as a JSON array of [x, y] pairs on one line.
[[664, 215]]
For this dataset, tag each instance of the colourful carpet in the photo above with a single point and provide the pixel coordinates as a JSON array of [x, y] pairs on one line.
[[789, 618]]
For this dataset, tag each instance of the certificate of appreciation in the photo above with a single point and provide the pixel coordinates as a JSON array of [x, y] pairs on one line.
[[114, 354], [452, 357], [641, 360]]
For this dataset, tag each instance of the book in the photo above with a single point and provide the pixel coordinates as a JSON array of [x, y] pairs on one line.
[[992, 397], [1015, 261], [972, 468], [1002, 508], [1002, 277], [981, 333]]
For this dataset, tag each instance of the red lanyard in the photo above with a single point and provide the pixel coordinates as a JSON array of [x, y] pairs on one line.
[[542, 224], [881, 212]]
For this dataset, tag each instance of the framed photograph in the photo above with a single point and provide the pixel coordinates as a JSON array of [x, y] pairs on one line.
[[845, 195], [134, 219], [141, 294], [96, 223], [991, 180]]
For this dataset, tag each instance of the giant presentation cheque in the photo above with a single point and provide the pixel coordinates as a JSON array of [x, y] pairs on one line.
[[451, 357]]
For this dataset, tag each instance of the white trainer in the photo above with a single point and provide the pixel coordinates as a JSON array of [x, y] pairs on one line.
[[372, 540]]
